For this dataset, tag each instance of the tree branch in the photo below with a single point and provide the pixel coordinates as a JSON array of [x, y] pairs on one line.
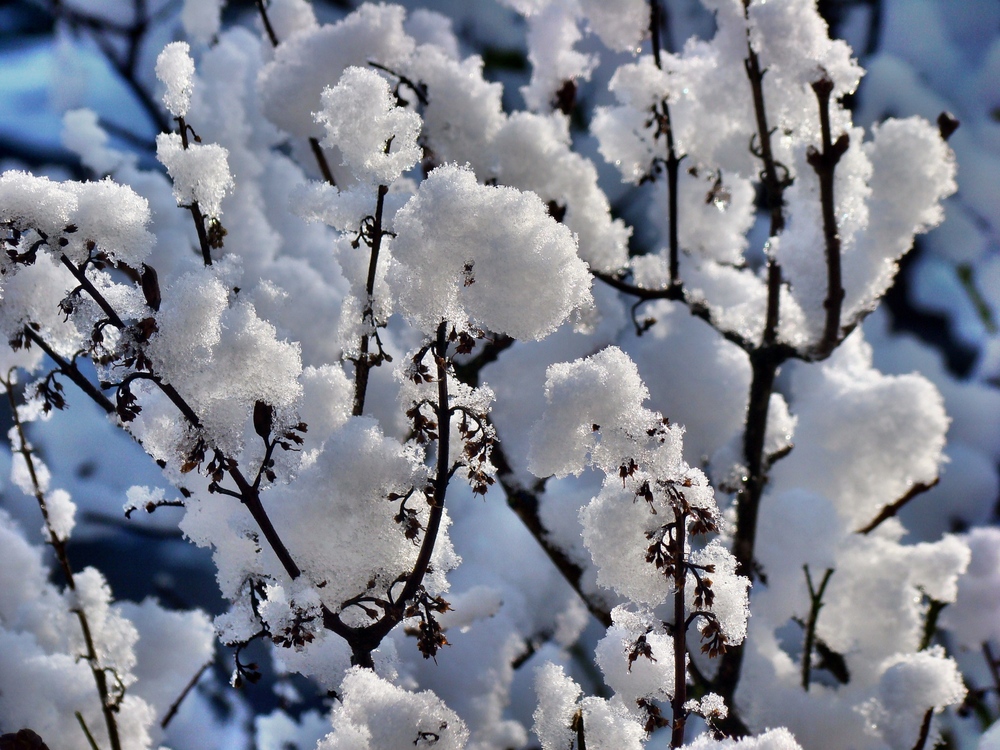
[[815, 605], [58, 543], [824, 163], [365, 361], [314, 144], [893, 508], [175, 706], [70, 371], [679, 712]]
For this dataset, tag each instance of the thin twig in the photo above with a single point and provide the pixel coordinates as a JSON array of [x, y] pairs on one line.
[[765, 361], [679, 698], [673, 161], [81, 276], [314, 144], [365, 362], [175, 706], [824, 163], [86, 731], [525, 503], [697, 308], [577, 726], [196, 214], [893, 508], [366, 639], [324, 165], [815, 605], [58, 544], [70, 371], [262, 8], [925, 730]]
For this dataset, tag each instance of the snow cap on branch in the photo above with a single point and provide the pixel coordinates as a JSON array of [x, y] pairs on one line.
[[378, 140], [112, 216], [600, 393], [175, 69], [490, 257], [200, 172], [314, 58], [374, 714]]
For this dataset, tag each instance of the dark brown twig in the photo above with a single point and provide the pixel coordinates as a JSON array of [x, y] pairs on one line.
[[314, 144], [925, 730], [893, 508], [679, 698], [365, 360], [175, 706], [815, 605], [824, 163], [70, 371], [196, 214]]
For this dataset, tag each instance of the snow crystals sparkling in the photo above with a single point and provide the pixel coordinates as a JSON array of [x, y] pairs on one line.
[[200, 172], [603, 392], [377, 139], [175, 69], [557, 698], [110, 215], [650, 677], [773, 739], [560, 712], [200, 336], [485, 256], [313, 59], [374, 714]]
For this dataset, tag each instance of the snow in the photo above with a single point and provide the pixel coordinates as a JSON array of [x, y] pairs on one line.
[[418, 718], [485, 256], [200, 172], [175, 69], [378, 140]]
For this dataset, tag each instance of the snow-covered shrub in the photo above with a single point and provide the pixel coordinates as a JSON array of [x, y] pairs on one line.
[[461, 454]]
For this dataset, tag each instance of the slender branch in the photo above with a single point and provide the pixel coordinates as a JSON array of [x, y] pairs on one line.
[[670, 292], [24, 448], [251, 499], [248, 494], [416, 578], [697, 308], [365, 640], [765, 361], [525, 504], [824, 163], [893, 508], [324, 165], [925, 730], [364, 362], [262, 9], [815, 605], [468, 371], [175, 706], [577, 726], [197, 215], [672, 162], [679, 698], [81, 276], [934, 609], [314, 144], [70, 371], [86, 731], [58, 544]]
